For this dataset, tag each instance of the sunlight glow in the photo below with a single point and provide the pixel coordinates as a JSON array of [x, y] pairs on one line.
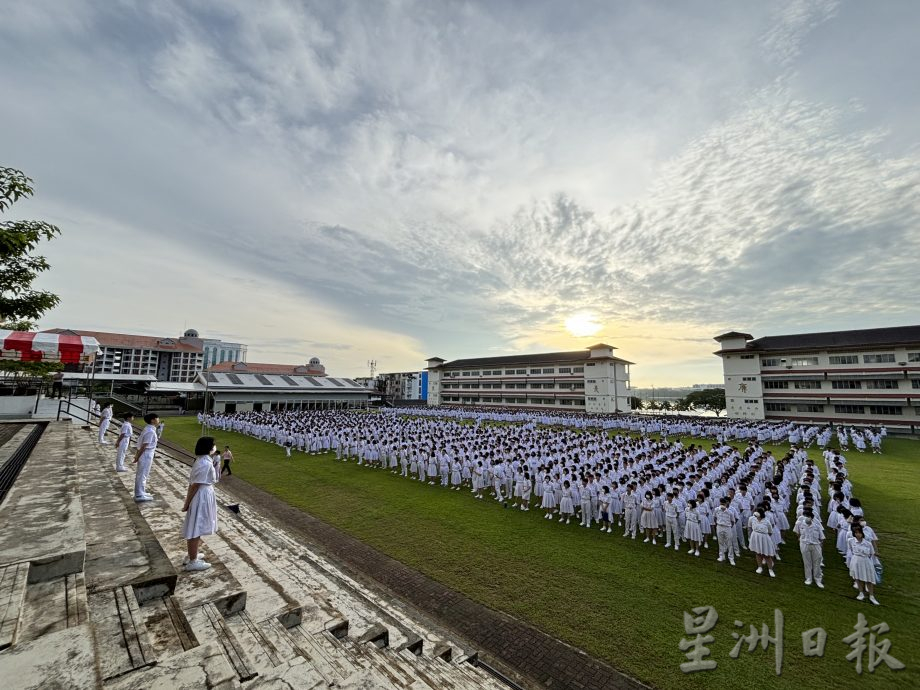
[[582, 324]]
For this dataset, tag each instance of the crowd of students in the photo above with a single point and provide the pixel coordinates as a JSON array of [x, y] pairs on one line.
[[608, 473]]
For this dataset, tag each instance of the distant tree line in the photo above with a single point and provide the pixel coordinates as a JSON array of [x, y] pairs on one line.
[[707, 400]]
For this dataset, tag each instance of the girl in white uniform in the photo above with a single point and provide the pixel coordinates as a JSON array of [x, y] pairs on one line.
[[566, 507], [761, 540], [549, 497], [692, 531], [647, 520], [200, 506], [862, 565]]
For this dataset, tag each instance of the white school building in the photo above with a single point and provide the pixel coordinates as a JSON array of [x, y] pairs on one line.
[[590, 380], [865, 377]]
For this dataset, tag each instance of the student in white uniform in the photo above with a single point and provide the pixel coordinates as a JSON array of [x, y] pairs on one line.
[[761, 540], [125, 434], [200, 506], [811, 534], [862, 563], [725, 523], [143, 457], [104, 423]]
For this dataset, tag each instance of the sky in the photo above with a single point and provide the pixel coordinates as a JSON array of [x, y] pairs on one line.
[[397, 180]]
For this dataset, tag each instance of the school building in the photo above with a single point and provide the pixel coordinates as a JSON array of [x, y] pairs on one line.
[[866, 377], [251, 386], [590, 380]]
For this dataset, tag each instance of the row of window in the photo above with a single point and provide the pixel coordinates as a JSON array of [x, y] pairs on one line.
[[508, 401], [515, 372], [838, 409], [808, 361], [872, 384], [576, 385]]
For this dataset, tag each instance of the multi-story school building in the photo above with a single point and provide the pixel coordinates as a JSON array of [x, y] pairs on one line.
[[866, 377], [590, 380]]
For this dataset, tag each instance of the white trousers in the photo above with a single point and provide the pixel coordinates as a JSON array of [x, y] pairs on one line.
[[120, 457], [811, 559], [103, 427], [143, 471]]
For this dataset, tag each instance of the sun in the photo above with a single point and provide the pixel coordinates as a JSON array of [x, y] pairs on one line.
[[583, 324]]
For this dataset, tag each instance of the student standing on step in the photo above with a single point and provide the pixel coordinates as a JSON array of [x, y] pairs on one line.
[[200, 506], [125, 434], [104, 423], [143, 457]]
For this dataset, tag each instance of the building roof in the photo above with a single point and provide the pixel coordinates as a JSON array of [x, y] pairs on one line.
[[538, 358], [732, 335], [261, 368], [129, 341], [278, 383], [864, 338]]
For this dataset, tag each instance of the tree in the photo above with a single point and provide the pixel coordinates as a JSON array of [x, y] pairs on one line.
[[635, 403], [710, 399], [20, 304]]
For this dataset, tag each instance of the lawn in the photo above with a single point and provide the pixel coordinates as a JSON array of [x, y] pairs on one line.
[[621, 600]]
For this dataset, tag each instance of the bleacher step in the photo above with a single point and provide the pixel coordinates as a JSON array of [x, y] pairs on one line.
[[121, 634], [53, 605], [30, 665], [204, 666], [207, 623], [13, 581]]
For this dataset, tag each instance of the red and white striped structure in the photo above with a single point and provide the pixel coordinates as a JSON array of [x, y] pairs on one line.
[[48, 347]]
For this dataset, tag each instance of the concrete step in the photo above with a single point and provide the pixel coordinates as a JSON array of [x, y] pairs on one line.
[[402, 672], [208, 623], [13, 579], [120, 547], [168, 628], [53, 605], [48, 515], [62, 659], [121, 635], [204, 666]]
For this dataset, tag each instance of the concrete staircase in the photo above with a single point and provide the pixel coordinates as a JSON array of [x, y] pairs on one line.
[[270, 613]]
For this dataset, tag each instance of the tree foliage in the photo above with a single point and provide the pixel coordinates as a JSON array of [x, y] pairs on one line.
[[710, 400], [635, 403], [20, 304]]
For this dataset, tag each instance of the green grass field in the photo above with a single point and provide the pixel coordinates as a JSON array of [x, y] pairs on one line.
[[621, 600]]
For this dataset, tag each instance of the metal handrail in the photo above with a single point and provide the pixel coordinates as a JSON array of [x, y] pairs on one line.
[[14, 464]]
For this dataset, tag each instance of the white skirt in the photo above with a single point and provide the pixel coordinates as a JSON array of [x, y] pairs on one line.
[[762, 544], [648, 520], [862, 569], [566, 506], [692, 531], [201, 518]]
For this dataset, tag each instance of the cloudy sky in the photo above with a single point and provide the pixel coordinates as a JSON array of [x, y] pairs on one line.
[[397, 180]]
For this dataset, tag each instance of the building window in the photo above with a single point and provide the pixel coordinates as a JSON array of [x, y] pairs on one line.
[[808, 385], [775, 384], [467, 373], [747, 356], [913, 356], [844, 359], [776, 407], [748, 378], [590, 364], [849, 409], [881, 385], [750, 402], [915, 383], [804, 361], [565, 370], [885, 409], [845, 385], [809, 408], [591, 380], [886, 358], [578, 370], [550, 370]]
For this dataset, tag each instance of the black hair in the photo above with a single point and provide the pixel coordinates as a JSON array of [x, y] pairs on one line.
[[204, 445], [150, 416], [128, 415]]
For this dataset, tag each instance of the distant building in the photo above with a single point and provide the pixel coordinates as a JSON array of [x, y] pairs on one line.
[[406, 385], [251, 386], [590, 380], [313, 368], [218, 351], [868, 377], [707, 386], [168, 359]]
